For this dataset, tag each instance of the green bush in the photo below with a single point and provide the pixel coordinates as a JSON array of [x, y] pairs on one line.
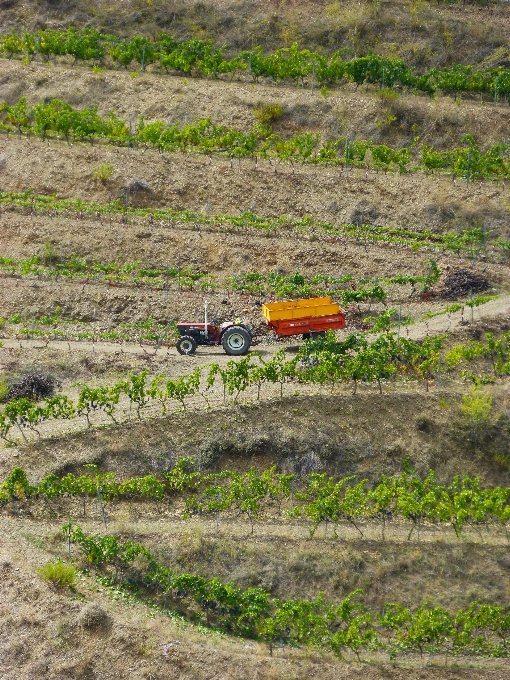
[[58, 573], [476, 409], [267, 113], [4, 387], [104, 172]]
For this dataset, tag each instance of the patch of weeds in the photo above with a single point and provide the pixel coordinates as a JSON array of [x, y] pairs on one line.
[[267, 113], [103, 172], [58, 574], [4, 388], [34, 540], [127, 595]]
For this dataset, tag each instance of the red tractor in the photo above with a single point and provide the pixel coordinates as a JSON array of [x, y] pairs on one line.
[[236, 339]]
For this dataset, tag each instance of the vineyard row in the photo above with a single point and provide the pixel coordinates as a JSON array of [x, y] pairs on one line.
[[470, 240], [314, 496], [204, 136], [148, 331], [480, 629], [254, 283], [319, 362], [197, 57], [156, 334]]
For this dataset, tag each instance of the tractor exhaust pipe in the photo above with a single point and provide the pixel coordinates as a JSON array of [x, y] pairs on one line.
[[205, 314]]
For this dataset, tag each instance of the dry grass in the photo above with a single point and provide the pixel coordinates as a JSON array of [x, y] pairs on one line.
[[266, 112], [341, 429], [283, 561], [44, 637]]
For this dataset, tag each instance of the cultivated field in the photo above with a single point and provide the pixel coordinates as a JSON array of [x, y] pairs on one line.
[[275, 515]]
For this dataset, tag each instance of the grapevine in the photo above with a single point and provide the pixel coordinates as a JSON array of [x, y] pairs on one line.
[[318, 498], [204, 136], [202, 58]]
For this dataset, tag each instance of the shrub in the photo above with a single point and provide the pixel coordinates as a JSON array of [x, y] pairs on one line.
[[387, 95], [138, 185], [104, 172], [4, 389], [59, 574], [476, 407], [93, 617], [33, 386], [267, 113]]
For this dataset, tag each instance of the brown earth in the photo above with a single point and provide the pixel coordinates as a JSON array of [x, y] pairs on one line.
[[221, 255]]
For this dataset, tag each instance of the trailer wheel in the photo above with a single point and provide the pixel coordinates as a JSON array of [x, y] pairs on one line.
[[186, 345], [236, 341], [317, 334]]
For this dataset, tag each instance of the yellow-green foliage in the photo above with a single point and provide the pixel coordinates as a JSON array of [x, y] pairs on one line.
[[266, 113], [476, 408], [3, 386], [104, 172], [58, 573]]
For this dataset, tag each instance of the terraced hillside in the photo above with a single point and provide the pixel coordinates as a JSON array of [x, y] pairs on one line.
[[337, 506]]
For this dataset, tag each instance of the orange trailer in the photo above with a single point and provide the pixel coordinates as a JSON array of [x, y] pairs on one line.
[[309, 317]]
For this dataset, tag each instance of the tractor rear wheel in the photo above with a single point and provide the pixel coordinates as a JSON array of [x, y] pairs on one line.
[[186, 345], [236, 341]]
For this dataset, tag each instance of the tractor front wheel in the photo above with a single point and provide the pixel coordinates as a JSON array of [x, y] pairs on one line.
[[236, 341], [186, 345]]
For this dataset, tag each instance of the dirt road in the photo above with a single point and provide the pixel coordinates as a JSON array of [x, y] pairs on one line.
[[445, 323]]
